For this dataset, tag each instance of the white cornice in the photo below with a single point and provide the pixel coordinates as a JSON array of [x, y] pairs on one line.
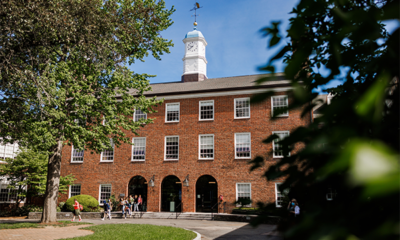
[[219, 94], [195, 57]]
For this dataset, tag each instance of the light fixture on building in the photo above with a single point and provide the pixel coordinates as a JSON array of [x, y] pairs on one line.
[[151, 182], [186, 181]]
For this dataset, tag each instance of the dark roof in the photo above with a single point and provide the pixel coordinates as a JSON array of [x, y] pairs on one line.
[[216, 84]]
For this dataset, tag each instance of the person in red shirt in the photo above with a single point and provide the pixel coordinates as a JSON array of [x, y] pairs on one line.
[[76, 210]]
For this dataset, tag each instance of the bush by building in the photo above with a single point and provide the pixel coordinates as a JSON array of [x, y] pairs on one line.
[[89, 203]]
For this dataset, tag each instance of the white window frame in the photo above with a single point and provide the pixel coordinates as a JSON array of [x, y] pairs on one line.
[[133, 147], [208, 119], [287, 105], [206, 135], [276, 194], [234, 101], [165, 148], [236, 157], [237, 194], [134, 114], [100, 202], [166, 112], [72, 155], [3, 181], [273, 144], [101, 155], [3, 153], [69, 192]]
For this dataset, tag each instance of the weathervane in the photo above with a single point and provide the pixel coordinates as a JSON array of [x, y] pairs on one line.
[[196, 6]]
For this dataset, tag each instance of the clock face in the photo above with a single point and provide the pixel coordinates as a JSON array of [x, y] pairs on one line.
[[192, 47]]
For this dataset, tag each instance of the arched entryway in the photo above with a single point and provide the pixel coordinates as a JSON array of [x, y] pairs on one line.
[[206, 194], [138, 186], [171, 194]]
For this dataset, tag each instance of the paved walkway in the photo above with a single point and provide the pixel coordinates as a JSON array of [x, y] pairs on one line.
[[208, 229], [46, 233]]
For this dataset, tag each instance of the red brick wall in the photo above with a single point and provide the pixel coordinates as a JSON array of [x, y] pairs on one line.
[[224, 168]]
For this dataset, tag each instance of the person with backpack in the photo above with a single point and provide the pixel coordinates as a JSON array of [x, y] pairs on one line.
[[77, 208], [107, 210], [127, 208]]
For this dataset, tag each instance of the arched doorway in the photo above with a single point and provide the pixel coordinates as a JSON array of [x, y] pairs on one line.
[[138, 186], [206, 194], [171, 194]]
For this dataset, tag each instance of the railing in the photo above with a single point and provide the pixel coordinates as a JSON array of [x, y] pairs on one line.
[[212, 210], [176, 212]]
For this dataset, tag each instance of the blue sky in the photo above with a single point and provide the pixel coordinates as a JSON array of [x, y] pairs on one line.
[[231, 29]]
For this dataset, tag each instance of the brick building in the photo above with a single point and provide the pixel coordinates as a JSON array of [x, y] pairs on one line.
[[199, 146]]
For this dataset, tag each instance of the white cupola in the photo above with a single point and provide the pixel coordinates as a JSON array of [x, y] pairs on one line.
[[194, 61]]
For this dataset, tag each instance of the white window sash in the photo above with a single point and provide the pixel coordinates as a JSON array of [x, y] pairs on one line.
[[108, 150], [141, 115], [165, 149], [277, 194], [100, 192], [170, 107], [239, 146], [272, 105], [137, 149], [239, 192], [206, 146], [73, 156], [206, 103], [241, 99], [274, 144]]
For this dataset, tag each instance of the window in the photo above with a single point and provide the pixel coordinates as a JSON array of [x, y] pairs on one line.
[[138, 115], [108, 155], [242, 145], [206, 147], [172, 112], [105, 193], [74, 190], [206, 110], [277, 148], [6, 194], [279, 102], [138, 149], [171, 148], [8, 150], [331, 194], [242, 108], [278, 195], [243, 193], [77, 155]]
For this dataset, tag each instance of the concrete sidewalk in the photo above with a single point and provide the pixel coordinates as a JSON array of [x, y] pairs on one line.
[[208, 229]]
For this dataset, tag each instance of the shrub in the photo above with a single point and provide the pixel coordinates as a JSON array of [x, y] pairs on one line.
[[89, 203]]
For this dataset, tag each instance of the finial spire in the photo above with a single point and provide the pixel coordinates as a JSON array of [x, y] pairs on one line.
[[196, 6]]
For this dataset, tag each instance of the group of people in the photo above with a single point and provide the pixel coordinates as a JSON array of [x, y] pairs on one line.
[[130, 202]]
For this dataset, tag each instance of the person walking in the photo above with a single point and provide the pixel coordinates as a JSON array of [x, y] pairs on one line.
[[76, 210], [135, 202], [107, 210]]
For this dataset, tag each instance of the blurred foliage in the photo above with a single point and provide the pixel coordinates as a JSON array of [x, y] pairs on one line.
[[27, 174], [352, 151]]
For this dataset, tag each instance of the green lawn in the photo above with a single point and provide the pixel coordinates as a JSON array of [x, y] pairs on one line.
[[37, 225], [137, 232]]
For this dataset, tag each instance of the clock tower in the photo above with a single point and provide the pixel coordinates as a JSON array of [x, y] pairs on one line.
[[194, 61]]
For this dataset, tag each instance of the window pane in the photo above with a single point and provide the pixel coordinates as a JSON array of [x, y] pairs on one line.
[[171, 148], [277, 148], [139, 114], [280, 102], [139, 149], [206, 146], [77, 155], [243, 145], [75, 190], [105, 192], [242, 107], [108, 155], [172, 112], [207, 110]]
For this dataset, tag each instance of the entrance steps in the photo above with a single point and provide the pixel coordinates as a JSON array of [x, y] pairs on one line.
[[166, 215]]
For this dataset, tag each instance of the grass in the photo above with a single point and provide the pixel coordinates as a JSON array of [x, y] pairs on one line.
[[39, 225], [136, 231]]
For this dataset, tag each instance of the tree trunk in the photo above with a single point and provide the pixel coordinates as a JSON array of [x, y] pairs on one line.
[[52, 184]]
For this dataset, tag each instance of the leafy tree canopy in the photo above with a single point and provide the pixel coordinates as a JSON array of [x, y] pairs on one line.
[[64, 78], [351, 151], [27, 174]]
